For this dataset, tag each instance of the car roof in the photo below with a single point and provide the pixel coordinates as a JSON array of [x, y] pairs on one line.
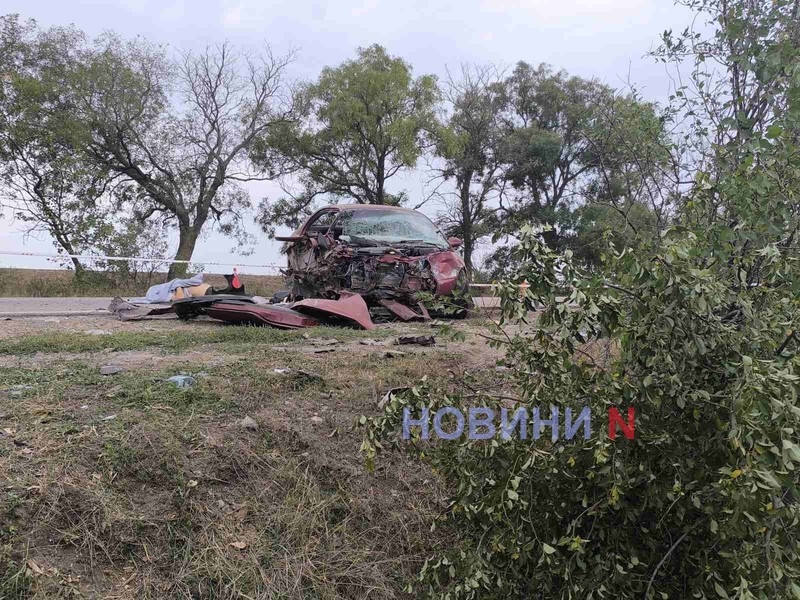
[[354, 206], [345, 208]]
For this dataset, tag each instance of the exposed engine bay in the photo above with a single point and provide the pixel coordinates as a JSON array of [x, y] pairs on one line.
[[404, 272]]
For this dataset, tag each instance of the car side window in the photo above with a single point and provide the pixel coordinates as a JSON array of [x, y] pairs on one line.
[[322, 223]]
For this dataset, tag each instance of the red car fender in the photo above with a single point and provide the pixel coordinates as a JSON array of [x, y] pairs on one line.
[[349, 307], [445, 267]]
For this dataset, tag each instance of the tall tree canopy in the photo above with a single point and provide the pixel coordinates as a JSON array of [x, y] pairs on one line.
[[363, 123], [468, 146], [570, 140], [46, 181], [178, 131]]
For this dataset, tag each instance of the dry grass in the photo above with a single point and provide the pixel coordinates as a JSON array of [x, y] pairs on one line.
[[50, 283], [171, 498]]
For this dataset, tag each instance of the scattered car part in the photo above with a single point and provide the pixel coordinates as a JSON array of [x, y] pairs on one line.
[[110, 370], [352, 309], [420, 340], [182, 381], [127, 311], [190, 308], [235, 286], [387, 397], [280, 297], [273, 315], [405, 312]]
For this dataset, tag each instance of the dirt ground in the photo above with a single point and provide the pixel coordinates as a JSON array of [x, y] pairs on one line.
[[125, 486], [102, 324]]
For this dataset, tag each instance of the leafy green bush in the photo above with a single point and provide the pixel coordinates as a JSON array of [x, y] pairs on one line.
[[703, 503], [699, 333]]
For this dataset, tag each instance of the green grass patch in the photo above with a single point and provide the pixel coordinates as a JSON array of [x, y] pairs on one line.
[[176, 341], [132, 389], [172, 496]]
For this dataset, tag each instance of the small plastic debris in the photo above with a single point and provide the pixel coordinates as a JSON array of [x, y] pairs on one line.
[[310, 375], [388, 396], [110, 370], [394, 354], [317, 420], [419, 340], [328, 342], [108, 418], [299, 373], [34, 567], [18, 391], [182, 381], [248, 423]]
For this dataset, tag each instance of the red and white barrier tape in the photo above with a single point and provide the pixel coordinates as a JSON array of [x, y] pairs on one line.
[[137, 259], [170, 261]]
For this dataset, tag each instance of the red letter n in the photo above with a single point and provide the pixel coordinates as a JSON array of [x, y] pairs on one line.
[[615, 419]]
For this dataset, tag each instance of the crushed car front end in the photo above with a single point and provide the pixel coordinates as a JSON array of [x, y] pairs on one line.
[[387, 255]]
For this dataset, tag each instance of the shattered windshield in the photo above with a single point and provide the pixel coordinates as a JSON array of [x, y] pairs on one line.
[[388, 226]]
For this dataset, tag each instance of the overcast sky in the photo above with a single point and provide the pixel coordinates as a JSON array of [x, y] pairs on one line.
[[606, 39]]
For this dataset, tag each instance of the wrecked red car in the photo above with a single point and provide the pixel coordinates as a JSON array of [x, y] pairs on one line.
[[391, 256]]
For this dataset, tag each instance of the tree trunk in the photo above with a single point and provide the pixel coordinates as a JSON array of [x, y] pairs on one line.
[[380, 181], [78, 266], [551, 237], [467, 247], [67, 246], [467, 241], [187, 239]]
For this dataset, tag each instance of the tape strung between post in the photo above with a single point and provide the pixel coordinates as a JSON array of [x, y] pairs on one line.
[[136, 259], [166, 260]]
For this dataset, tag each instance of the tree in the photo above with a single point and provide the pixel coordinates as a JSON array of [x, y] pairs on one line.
[[597, 224], [178, 132], [363, 123], [468, 146], [570, 141], [45, 180], [544, 148], [629, 194], [701, 339]]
